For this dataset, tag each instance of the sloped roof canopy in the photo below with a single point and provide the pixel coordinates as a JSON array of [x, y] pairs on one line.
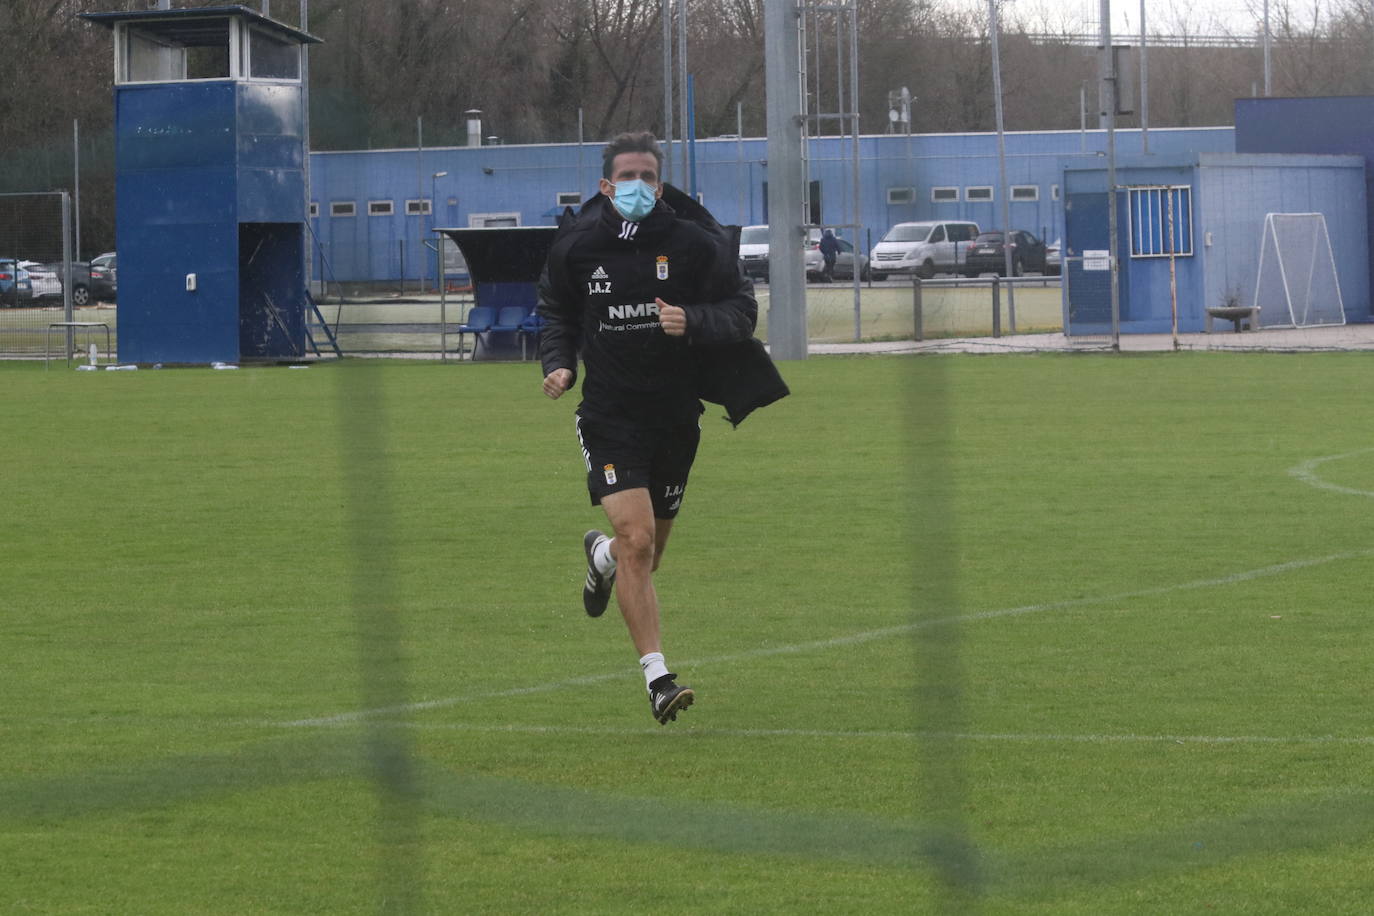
[[196, 27]]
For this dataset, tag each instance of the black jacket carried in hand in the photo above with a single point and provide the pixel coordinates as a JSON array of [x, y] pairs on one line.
[[597, 297]]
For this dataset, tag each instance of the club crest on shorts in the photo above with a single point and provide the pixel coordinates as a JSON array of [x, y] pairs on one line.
[[661, 262], [609, 471]]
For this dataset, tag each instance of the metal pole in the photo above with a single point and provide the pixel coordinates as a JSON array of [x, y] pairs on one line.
[[443, 302], [682, 89], [581, 140], [1268, 72], [993, 28], [419, 193], [996, 306], [839, 68], [1173, 277], [854, 134], [787, 287], [667, 15], [76, 188], [1107, 96], [691, 138], [66, 259], [433, 222], [1144, 87], [1082, 117], [739, 160], [306, 237], [916, 307]]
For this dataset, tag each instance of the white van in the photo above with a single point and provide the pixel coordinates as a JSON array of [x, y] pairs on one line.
[[925, 248], [753, 249]]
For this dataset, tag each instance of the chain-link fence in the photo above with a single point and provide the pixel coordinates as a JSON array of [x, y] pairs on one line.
[[915, 310], [50, 305], [894, 310]]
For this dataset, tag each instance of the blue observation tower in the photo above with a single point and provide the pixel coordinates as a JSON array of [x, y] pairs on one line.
[[210, 203]]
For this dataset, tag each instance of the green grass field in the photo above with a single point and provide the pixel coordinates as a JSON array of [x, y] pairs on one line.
[[1068, 634]]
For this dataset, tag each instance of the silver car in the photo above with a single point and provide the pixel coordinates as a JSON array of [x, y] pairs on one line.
[[844, 260], [44, 280]]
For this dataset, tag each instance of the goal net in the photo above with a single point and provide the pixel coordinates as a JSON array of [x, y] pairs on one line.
[[1297, 285]]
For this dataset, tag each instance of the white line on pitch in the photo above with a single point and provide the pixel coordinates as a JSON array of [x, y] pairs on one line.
[[1307, 473], [612, 731], [836, 642]]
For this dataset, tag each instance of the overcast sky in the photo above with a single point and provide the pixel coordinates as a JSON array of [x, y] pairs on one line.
[[1199, 16]]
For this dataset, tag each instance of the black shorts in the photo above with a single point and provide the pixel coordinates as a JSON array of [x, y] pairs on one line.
[[620, 458]]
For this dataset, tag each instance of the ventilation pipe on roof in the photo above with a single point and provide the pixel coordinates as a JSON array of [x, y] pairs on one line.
[[474, 116]]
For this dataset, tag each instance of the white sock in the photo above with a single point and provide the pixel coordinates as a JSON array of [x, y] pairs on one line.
[[654, 667], [602, 557]]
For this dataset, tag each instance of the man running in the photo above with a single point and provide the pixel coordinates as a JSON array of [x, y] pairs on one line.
[[646, 286]]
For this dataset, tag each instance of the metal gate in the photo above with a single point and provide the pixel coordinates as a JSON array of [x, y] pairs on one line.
[[1087, 268]]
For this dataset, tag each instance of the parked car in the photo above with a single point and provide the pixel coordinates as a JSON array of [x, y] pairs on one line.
[[93, 281], [844, 260], [43, 279], [988, 254], [753, 255], [1053, 258], [753, 251], [15, 288], [924, 248]]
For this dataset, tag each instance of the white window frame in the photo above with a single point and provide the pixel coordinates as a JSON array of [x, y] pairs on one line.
[[567, 199], [901, 196], [419, 207], [952, 195], [381, 208], [1054, 192], [480, 220], [336, 209], [1147, 204], [121, 58], [314, 208], [980, 189], [1025, 193], [239, 51], [247, 68]]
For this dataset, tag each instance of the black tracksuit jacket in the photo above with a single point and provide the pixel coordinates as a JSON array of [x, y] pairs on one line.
[[597, 298]]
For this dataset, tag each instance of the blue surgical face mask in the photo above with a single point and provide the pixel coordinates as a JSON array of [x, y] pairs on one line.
[[634, 199]]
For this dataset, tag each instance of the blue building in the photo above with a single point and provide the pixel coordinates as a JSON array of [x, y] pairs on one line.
[[1208, 210], [373, 209]]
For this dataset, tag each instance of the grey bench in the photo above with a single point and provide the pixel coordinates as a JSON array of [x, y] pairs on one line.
[[1235, 314]]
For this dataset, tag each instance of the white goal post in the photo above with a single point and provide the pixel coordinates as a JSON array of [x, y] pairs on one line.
[[1297, 286]]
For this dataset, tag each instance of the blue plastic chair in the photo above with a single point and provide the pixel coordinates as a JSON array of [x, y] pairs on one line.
[[510, 318], [529, 329], [479, 322]]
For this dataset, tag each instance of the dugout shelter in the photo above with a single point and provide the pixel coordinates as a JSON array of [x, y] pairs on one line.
[[504, 264], [210, 159]]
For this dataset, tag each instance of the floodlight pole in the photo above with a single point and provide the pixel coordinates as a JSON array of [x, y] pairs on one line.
[[1107, 100], [786, 269], [993, 28]]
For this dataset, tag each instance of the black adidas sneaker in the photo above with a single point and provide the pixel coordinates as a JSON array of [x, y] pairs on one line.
[[596, 591]]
